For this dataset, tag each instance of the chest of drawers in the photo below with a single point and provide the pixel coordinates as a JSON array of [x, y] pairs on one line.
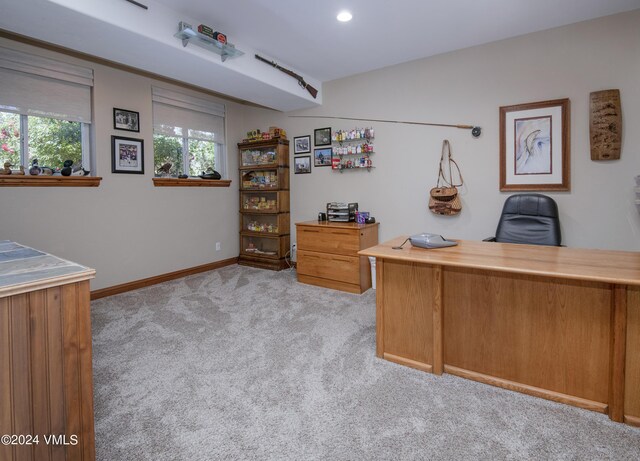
[[328, 254]]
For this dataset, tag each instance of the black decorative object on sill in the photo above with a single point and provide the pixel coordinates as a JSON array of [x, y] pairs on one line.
[[66, 170], [210, 174]]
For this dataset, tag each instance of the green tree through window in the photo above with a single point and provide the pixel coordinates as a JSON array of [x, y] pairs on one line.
[[50, 140]]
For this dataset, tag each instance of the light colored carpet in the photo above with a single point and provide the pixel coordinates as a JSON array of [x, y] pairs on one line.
[[243, 363]]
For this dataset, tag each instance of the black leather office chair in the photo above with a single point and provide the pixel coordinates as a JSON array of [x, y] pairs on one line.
[[529, 218]]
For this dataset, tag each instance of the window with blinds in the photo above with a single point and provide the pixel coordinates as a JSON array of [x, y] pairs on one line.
[[188, 133], [45, 111]]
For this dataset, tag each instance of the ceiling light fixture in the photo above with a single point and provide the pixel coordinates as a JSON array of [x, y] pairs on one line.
[[344, 16]]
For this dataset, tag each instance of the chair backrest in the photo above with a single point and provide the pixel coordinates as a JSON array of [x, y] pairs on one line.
[[531, 219]]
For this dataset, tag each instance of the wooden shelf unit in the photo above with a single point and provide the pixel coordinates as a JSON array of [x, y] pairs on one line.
[[264, 203]]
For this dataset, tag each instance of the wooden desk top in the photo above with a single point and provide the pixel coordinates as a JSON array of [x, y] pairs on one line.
[[619, 267], [23, 269], [337, 225]]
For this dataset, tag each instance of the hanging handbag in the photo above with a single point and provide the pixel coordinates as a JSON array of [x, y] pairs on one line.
[[444, 200]]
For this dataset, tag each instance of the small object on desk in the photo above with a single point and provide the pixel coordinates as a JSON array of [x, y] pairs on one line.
[[7, 168], [322, 217], [46, 171], [341, 212], [428, 241], [370, 220], [183, 176], [361, 216], [20, 171]]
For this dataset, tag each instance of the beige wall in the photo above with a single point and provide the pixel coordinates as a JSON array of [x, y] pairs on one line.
[[468, 87], [126, 229], [129, 230]]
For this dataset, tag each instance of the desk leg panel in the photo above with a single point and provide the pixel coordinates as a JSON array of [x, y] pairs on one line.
[[547, 333], [632, 371], [407, 309], [380, 307]]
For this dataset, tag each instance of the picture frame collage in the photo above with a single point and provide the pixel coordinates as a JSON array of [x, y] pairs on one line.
[[127, 154], [321, 151]]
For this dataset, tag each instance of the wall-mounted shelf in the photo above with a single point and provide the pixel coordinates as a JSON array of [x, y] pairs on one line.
[[345, 146], [188, 34]]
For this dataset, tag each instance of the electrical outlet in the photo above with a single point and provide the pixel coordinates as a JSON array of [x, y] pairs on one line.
[[294, 247], [218, 246]]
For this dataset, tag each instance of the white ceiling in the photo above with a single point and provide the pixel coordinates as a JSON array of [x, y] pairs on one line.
[[302, 35], [306, 34]]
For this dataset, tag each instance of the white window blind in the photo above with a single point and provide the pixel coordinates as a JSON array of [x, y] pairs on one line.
[[198, 118], [33, 85]]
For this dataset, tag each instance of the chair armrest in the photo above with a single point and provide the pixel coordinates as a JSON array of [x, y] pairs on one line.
[[489, 239]]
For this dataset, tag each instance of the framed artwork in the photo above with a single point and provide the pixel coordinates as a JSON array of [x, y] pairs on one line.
[[302, 144], [126, 120], [302, 164], [534, 146], [127, 155], [322, 157], [322, 137]]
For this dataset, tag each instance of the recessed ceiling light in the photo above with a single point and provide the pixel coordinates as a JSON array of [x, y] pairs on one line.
[[344, 16]]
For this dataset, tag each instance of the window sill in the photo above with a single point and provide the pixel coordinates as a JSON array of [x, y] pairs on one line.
[[49, 181], [190, 182]]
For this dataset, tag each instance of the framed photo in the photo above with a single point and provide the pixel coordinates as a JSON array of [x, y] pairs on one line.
[[534, 146], [126, 120], [322, 137], [322, 157], [302, 144], [127, 155], [302, 164]]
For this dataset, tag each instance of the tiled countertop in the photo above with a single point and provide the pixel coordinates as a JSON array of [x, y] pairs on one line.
[[24, 269]]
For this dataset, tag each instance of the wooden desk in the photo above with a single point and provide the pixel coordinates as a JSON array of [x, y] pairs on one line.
[[46, 379], [558, 323]]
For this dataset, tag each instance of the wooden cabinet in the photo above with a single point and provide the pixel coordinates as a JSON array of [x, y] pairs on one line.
[[328, 254], [264, 203], [46, 379]]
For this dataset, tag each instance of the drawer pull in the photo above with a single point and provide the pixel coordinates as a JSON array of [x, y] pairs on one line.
[[309, 230]]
